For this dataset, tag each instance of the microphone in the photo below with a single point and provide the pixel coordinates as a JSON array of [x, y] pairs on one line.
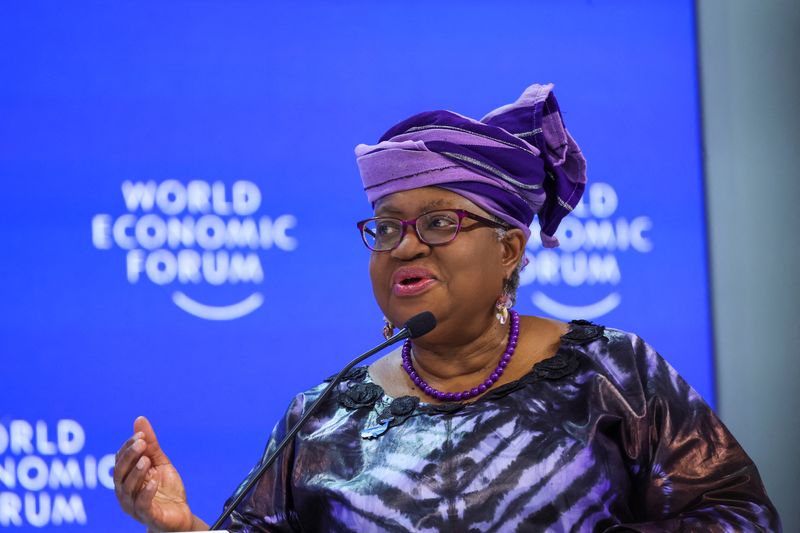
[[419, 324], [416, 326]]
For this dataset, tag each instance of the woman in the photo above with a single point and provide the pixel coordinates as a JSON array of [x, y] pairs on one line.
[[492, 421]]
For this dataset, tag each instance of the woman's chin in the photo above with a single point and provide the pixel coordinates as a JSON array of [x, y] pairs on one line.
[[405, 308]]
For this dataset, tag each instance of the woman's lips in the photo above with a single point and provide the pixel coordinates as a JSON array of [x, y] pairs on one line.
[[411, 281], [412, 287]]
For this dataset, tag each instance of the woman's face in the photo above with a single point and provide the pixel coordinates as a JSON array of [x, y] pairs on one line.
[[458, 282]]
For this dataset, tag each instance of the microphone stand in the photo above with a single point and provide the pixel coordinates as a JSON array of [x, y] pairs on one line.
[[255, 476]]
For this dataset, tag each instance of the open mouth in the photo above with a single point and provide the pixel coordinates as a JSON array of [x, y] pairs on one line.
[[412, 280], [411, 286]]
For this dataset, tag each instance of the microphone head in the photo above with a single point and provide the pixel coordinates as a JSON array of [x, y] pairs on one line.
[[420, 324]]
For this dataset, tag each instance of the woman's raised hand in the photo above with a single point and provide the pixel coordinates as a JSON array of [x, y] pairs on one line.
[[147, 485]]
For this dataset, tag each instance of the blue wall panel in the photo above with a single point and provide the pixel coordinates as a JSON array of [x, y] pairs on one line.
[[223, 133]]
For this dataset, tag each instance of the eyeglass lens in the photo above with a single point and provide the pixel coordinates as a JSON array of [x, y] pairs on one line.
[[437, 227]]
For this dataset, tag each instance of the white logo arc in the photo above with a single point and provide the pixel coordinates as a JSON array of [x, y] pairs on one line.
[[210, 312], [570, 312]]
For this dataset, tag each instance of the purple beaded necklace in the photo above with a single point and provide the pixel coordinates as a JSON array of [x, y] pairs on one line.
[[513, 334]]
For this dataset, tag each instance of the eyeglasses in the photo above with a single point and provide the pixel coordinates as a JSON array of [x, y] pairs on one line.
[[434, 228]]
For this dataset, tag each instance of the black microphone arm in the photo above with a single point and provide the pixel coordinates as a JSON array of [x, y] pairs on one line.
[[417, 326]]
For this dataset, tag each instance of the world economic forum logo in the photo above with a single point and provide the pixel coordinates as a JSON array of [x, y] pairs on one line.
[[200, 232], [593, 240], [46, 472]]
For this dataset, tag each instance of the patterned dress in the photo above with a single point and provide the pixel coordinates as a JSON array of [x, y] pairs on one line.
[[603, 436]]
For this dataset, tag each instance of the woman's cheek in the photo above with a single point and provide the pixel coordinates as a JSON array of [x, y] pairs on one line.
[[379, 279], [480, 278]]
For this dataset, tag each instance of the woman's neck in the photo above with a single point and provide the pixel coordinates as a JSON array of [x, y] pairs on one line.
[[448, 365]]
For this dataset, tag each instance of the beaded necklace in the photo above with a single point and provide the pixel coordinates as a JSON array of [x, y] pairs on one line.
[[513, 334]]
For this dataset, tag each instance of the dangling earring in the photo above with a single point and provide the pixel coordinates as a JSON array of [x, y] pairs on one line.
[[501, 307], [388, 328]]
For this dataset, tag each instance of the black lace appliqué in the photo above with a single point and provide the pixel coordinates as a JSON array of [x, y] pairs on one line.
[[354, 374], [360, 395], [583, 332], [399, 410], [556, 367], [446, 408]]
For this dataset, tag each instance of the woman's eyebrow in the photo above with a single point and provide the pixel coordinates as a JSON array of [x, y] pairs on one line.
[[387, 209], [432, 205]]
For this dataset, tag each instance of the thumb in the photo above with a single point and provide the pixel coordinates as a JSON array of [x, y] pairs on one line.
[[153, 450]]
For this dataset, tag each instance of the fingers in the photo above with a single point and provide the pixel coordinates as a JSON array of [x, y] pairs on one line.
[[135, 479], [144, 498], [158, 457], [124, 468], [126, 455]]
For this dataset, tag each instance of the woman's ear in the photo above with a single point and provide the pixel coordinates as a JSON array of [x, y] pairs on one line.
[[513, 249]]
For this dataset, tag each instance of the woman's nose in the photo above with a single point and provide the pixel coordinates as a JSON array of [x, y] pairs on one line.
[[410, 245]]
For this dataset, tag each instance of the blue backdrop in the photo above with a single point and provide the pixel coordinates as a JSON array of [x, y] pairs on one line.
[[179, 195]]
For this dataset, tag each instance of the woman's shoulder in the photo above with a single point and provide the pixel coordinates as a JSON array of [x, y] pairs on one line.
[[599, 343], [606, 344], [583, 333], [626, 361], [353, 390]]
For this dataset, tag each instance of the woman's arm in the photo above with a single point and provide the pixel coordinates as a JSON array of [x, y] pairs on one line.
[[267, 507], [692, 473]]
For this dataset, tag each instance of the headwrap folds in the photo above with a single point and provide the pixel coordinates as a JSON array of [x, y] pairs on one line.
[[517, 161]]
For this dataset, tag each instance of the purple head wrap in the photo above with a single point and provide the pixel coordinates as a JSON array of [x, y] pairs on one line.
[[517, 161]]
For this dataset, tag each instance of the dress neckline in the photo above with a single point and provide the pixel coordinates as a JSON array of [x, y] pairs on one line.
[[561, 363]]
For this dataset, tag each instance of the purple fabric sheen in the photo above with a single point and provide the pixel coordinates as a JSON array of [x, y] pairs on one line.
[[536, 117], [603, 435], [454, 136], [519, 161], [453, 121]]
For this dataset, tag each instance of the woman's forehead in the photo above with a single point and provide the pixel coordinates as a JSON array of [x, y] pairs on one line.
[[415, 201]]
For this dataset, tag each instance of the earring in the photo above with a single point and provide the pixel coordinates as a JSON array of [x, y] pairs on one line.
[[388, 328], [501, 308]]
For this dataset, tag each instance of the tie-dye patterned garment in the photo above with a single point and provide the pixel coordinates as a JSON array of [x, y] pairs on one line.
[[603, 436]]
